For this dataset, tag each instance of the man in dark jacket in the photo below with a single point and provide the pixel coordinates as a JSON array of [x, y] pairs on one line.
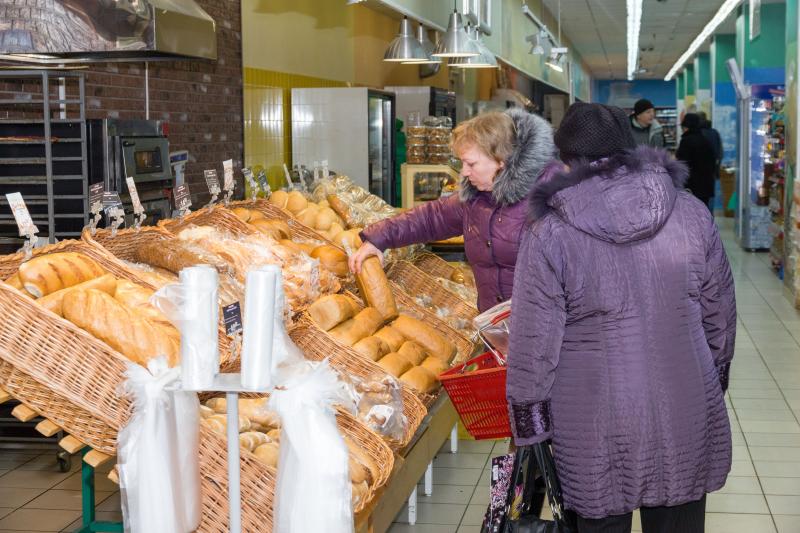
[[714, 138], [645, 128], [698, 154]]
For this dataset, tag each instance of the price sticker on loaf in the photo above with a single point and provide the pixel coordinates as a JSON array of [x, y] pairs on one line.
[[183, 198], [21, 214], [232, 317], [212, 181]]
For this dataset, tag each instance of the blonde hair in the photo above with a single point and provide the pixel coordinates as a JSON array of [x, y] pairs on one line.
[[492, 133]]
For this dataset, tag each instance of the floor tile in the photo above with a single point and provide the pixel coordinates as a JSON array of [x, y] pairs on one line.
[[782, 504], [73, 482], [772, 415], [741, 485], [772, 439], [103, 516], [435, 513], [762, 426], [759, 403], [766, 453], [739, 503], [112, 503], [421, 528], [62, 499], [474, 515], [739, 523], [781, 485], [787, 523], [17, 497], [33, 479], [777, 469], [39, 519], [5, 511], [742, 468], [458, 494], [480, 496], [461, 460], [455, 476]]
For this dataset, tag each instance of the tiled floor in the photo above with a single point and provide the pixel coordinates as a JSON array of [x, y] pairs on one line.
[[762, 494]]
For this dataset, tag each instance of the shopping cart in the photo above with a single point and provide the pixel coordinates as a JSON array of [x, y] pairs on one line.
[[477, 388]]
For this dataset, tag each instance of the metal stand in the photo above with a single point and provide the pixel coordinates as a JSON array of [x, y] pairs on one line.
[[91, 525]]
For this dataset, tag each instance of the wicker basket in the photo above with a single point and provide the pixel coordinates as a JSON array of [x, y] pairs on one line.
[[272, 211], [433, 265], [216, 216], [317, 345], [415, 281]]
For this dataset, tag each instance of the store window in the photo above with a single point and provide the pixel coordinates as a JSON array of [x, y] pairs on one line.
[[479, 12]]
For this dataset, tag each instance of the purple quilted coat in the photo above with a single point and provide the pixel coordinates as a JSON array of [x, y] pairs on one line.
[[491, 223], [623, 329]]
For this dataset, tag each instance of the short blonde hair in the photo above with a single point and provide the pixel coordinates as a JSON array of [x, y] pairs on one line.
[[492, 133]]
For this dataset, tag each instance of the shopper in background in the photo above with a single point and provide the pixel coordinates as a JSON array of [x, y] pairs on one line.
[[622, 332], [714, 138], [698, 153], [502, 154], [644, 126]]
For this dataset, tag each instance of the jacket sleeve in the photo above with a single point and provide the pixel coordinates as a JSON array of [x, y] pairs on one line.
[[538, 317], [718, 302], [658, 140], [433, 221]]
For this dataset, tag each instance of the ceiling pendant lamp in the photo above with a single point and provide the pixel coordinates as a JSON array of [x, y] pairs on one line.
[[427, 46], [456, 42], [485, 59], [405, 47]]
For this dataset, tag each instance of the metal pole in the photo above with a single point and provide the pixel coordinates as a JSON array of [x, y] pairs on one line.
[[234, 469], [48, 154], [147, 90]]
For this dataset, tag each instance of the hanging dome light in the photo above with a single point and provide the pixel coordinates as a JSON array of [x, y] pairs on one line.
[[427, 46], [485, 59], [405, 47], [456, 42]]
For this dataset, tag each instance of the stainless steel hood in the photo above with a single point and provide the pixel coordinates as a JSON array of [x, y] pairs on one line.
[[84, 31]]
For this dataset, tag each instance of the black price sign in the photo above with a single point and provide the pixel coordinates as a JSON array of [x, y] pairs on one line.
[[183, 198], [232, 317], [95, 197], [212, 181]]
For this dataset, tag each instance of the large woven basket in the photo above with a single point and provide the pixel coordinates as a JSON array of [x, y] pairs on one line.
[[299, 230], [217, 216], [416, 281], [317, 345], [433, 265]]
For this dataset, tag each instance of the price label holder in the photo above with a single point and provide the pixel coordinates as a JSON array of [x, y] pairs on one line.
[[232, 318], [251, 182], [213, 185], [24, 221], [183, 199], [263, 184], [228, 184], [95, 205], [138, 210], [115, 214]]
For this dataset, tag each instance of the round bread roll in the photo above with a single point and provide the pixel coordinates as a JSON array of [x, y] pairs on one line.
[[308, 216], [435, 365], [296, 202], [323, 203], [372, 347], [335, 229], [279, 198], [332, 258], [413, 352], [419, 378], [206, 412], [242, 212], [274, 434], [392, 337], [218, 405], [395, 364], [325, 218], [215, 424], [349, 240], [268, 454]]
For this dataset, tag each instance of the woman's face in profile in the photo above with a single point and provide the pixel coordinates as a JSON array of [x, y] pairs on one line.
[[479, 168]]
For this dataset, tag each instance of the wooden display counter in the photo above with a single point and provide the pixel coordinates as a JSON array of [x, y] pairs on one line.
[[409, 467]]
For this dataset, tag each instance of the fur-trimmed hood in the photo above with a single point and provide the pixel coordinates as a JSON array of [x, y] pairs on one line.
[[533, 149], [621, 199]]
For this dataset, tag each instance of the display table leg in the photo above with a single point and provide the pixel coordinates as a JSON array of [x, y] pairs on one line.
[[89, 524], [234, 469], [412, 507], [454, 439], [429, 479]]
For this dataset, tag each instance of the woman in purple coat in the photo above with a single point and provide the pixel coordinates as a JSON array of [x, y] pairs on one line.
[[623, 329], [502, 155]]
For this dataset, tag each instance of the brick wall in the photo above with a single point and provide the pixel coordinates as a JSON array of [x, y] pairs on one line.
[[202, 101]]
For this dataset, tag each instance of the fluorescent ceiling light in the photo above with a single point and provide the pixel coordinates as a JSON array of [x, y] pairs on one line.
[[634, 27], [724, 10], [553, 64]]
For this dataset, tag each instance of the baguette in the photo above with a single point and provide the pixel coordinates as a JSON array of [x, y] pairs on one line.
[[426, 336], [175, 255], [362, 457], [340, 208], [419, 378], [53, 301], [49, 273], [375, 289], [372, 347], [331, 310], [393, 338], [15, 282]]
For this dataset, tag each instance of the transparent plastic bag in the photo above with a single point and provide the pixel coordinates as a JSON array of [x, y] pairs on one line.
[[493, 326], [158, 453], [313, 490], [379, 404]]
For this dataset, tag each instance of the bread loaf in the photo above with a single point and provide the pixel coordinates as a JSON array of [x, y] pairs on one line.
[[253, 439], [419, 378], [340, 208], [331, 310], [268, 454], [15, 282], [393, 338], [348, 240], [360, 492], [358, 472], [395, 364], [49, 273], [277, 229], [413, 352], [325, 218], [291, 245], [138, 298], [426, 336], [274, 434], [335, 229], [215, 423], [175, 255], [256, 215], [206, 412], [364, 324], [242, 212], [435, 365], [279, 198], [127, 331], [218, 405], [296, 202], [372, 347], [53, 301], [375, 289], [332, 259]]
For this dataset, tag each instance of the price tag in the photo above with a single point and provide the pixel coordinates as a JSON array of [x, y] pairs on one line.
[[227, 167], [212, 181], [232, 317], [111, 200], [134, 194], [183, 198], [115, 214], [262, 180], [96, 198], [251, 181], [21, 214]]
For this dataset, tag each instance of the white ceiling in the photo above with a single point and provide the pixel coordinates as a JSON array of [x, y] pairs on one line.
[[597, 29]]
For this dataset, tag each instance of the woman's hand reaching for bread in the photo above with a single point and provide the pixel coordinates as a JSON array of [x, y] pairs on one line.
[[366, 250]]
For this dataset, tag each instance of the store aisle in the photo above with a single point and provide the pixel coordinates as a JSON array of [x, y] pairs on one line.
[[763, 490]]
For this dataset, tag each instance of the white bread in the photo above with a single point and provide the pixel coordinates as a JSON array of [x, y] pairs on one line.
[[392, 337], [426, 336], [332, 259], [49, 273], [395, 364], [331, 310], [53, 301], [296, 202], [413, 352], [435, 365], [364, 324], [372, 347], [375, 289], [419, 378]]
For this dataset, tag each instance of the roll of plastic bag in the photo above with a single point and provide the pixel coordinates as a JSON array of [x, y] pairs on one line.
[[313, 491], [158, 453]]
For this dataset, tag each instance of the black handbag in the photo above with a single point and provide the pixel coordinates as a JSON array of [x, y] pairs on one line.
[[525, 519]]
